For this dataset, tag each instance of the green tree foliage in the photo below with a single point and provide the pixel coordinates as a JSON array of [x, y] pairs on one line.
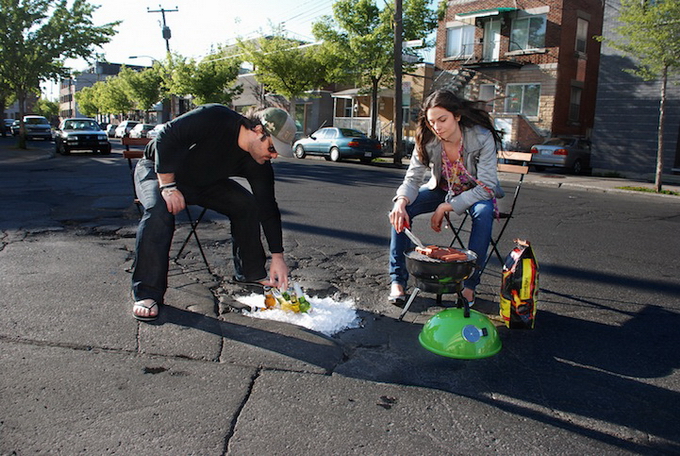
[[358, 41], [284, 66], [143, 87], [39, 35], [114, 96], [88, 101], [46, 108], [649, 30], [209, 81]]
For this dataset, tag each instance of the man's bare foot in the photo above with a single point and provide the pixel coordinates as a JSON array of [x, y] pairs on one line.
[[145, 310]]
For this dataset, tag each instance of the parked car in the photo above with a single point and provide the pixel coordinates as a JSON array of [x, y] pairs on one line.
[[7, 127], [15, 127], [140, 130], [154, 131], [337, 143], [81, 134], [570, 153], [110, 130], [123, 129], [35, 127]]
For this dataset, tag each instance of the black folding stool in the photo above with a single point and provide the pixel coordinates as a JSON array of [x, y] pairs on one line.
[[136, 154], [517, 164]]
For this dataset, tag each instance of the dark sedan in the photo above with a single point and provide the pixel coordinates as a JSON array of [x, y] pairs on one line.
[[81, 134], [337, 143]]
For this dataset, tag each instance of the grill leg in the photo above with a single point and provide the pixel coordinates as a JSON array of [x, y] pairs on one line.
[[408, 304]]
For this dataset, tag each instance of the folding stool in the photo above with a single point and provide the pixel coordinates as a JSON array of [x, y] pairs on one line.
[[136, 154], [517, 164]]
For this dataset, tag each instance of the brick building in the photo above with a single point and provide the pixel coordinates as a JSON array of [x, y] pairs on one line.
[[534, 63]]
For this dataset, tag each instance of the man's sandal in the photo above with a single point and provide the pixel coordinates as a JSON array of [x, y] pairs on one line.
[[148, 304]]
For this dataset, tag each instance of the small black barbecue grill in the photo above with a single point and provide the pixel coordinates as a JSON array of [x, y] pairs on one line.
[[440, 277]]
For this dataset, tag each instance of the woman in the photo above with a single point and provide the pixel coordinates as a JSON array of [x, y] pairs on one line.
[[457, 142]]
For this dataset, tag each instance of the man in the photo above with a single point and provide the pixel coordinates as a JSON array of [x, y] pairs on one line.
[[192, 161]]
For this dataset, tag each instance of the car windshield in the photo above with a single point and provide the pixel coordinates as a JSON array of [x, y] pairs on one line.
[[80, 125], [36, 121], [350, 132]]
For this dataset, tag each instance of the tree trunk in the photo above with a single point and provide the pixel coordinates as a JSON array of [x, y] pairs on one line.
[[374, 106], [21, 99], [662, 118]]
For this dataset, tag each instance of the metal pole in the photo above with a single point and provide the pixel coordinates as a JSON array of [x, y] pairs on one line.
[[398, 112]]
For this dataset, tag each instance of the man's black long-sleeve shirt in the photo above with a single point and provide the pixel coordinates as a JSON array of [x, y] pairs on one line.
[[201, 148]]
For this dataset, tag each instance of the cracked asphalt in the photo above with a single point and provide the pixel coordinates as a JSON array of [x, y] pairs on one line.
[[598, 375]]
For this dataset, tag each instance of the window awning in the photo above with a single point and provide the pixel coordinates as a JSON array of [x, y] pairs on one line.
[[470, 16]]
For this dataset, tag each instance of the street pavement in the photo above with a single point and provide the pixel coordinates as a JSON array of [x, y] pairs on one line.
[[78, 375]]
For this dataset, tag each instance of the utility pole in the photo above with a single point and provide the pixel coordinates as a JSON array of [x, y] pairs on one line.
[[166, 37], [166, 30], [398, 112]]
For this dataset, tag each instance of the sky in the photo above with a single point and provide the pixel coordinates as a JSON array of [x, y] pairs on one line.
[[196, 26]]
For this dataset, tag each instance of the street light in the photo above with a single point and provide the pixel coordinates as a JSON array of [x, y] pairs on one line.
[[153, 60]]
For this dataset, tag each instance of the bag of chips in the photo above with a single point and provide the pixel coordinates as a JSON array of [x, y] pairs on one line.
[[519, 287]]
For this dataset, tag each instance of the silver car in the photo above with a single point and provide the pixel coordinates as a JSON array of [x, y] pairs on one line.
[[572, 154]]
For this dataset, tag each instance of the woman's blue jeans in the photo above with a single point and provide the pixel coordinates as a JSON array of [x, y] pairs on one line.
[[482, 214], [157, 227]]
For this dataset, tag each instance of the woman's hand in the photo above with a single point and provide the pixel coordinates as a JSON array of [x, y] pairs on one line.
[[398, 217], [174, 200], [438, 216]]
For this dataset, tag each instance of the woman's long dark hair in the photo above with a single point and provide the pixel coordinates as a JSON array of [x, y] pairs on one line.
[[470, 115]]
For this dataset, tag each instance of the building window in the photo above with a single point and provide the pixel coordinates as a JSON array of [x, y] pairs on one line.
[[581, 35], [487, 92], [575, 104], [523, 99], [460, 41], [528, 32]]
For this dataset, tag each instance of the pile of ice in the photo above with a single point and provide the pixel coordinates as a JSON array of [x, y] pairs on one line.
[[327, 316]]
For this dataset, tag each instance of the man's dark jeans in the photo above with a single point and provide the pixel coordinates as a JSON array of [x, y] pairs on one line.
[[157, 226]]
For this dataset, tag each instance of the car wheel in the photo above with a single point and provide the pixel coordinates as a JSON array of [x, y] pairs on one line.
[[106, 150], [335, 154], [577, 167], [300, 152], [64, 150], [539, 168]]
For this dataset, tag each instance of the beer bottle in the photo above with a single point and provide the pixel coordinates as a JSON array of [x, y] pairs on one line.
[[303, 304]]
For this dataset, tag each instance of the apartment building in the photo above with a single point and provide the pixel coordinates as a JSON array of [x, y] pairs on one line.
[[534, 63]]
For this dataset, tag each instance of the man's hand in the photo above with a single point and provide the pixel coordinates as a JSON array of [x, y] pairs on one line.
[[174, 200], [278, 271]]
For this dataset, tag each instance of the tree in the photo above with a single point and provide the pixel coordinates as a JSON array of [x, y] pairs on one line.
[[649, 30], [113, 95], [285, 66], [209, 81], [143, 87], [38, 36], [88, 101], [359, 39], [46, 108]]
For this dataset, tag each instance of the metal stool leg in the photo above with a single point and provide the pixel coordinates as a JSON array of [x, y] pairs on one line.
[[194, 226], [408, 304]]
